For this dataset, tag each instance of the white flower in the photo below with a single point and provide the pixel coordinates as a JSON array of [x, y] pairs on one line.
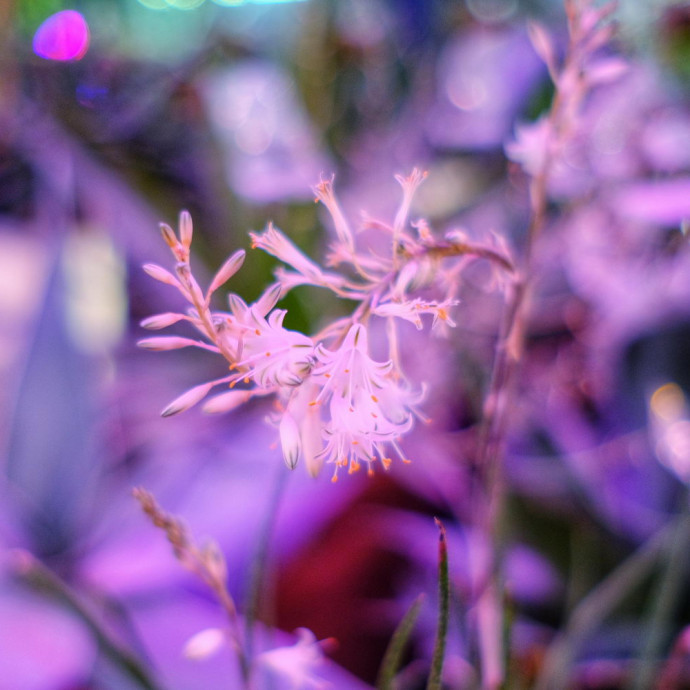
[[367, 408], [267, 353]]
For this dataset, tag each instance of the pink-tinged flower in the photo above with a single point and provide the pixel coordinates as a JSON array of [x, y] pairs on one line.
[[267, 353], [324, 193], [294, 667], [531, 146], [412, 311], [409, 185], [367, 408], [277, 244]]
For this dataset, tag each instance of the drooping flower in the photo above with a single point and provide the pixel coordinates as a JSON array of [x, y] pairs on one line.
[[368, 409]]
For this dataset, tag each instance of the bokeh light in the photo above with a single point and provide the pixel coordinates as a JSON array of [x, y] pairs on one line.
[[63, 36]]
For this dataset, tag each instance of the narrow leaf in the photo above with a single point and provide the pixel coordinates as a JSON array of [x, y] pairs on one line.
[[393, 656], [434, 682]]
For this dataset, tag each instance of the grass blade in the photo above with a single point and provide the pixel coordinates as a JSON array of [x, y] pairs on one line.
[[393, 656], [443, 607]]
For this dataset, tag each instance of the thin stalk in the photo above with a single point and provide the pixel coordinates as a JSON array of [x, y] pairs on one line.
[[490, 496]]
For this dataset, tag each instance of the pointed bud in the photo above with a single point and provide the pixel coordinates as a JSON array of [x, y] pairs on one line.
[[159, 321], [187, 399], [543, 46], [225, 402], [186, 229], [167, 342], [159, 273], [227, 270], [168, 235], [289, 440], [606, 70]]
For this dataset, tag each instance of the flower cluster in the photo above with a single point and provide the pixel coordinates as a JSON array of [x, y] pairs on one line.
[[335, 404]]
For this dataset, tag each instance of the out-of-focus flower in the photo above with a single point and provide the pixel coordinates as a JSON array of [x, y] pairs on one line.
[[269, 145], [294, 667]]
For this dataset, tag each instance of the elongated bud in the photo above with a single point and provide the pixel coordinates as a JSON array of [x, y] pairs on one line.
[[159, 321], [226, 401], [227, 270], [543, 46], [289, 440], [168, 235], [187, 400], [167, 342], [159, 273], [186, 229]]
